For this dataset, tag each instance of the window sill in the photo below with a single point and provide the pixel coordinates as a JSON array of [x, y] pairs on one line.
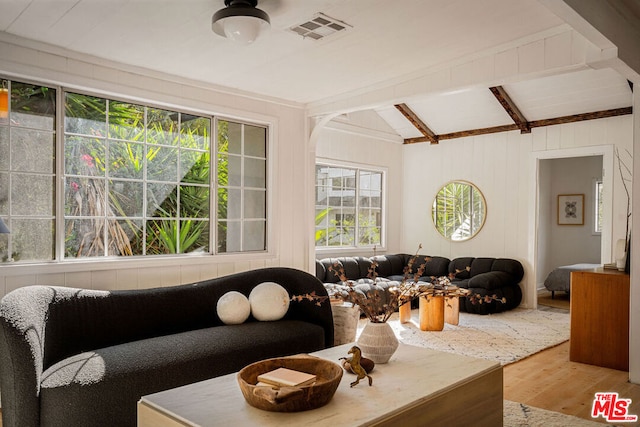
[[116, 263], [326, 252]]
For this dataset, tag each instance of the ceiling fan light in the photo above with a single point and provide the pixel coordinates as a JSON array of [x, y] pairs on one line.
[[240, 21], [243, 29]]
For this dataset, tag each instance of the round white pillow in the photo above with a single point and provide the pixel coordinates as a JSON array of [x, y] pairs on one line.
[[233, 308], [269, 301]]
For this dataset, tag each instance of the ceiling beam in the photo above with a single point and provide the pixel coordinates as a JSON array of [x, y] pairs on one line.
[[581, 117], [511, 108], [463, 133], [419, 124], [533, 124]]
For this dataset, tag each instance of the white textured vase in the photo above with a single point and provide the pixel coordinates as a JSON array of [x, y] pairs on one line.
[[378, 342]]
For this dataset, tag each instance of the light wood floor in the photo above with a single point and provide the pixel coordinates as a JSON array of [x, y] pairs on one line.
[[548, 380]]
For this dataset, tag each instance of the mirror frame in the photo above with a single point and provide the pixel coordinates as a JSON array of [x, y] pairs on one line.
[[482, 200]]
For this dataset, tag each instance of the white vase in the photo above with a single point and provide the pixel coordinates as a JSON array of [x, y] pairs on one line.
[[378, 342]]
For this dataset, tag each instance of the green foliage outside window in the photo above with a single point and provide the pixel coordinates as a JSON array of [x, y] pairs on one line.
[[120, 157], [136, 179]]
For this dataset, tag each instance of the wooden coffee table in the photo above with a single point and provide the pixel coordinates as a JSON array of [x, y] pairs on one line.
[[417, 387]]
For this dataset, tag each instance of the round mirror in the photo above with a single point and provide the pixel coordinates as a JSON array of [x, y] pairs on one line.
[[459, 211]]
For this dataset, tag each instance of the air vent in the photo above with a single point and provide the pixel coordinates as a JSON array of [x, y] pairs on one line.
[[319, 27]]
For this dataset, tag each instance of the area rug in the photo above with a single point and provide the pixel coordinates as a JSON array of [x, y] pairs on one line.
[[502, 337], [521, 415]]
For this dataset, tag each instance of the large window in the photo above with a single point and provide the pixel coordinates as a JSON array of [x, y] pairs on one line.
[[348, 207], [136, 180]]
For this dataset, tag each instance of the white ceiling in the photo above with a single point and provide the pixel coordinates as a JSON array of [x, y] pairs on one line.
[[389, 40], [549, 97]]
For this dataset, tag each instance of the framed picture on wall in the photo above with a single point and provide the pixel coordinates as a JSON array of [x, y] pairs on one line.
[[570, 209]]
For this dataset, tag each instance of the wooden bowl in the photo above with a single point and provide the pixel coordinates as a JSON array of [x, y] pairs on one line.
[[290, 399]]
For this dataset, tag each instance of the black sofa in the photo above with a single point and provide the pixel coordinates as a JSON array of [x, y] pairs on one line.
[[72, 357], [482, 276]]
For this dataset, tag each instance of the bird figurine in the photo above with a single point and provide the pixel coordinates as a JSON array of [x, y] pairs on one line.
[[355, 367]]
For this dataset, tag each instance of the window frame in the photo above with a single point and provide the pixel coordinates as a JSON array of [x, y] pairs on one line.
[[358, 167], [268, 197], [9, 217], [269, 123], [110, 178]]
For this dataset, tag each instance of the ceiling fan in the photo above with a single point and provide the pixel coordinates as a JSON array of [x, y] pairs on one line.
[[240, 21]]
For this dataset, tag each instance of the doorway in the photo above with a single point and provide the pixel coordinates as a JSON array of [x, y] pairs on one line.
[[569, 172]]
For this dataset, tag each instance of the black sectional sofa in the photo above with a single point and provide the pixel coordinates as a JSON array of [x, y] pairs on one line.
[[72, 357], [482, 276]]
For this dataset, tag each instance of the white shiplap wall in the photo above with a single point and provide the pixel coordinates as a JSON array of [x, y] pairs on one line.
[[501, 166]]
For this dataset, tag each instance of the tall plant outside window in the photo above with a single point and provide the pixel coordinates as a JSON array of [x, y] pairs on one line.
[[137, 180], [348, 207]]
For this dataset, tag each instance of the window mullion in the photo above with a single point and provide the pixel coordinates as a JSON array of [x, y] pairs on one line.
[[357, 209], [107, 186], [242, 189], [145, 185], [10, 238], [178, 196], [213, 186], [59, 173]]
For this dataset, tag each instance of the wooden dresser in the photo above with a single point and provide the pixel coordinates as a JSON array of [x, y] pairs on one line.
[[600, 318]]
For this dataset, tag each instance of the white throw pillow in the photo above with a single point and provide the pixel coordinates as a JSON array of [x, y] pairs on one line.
[[269, 301], [233, 308]]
